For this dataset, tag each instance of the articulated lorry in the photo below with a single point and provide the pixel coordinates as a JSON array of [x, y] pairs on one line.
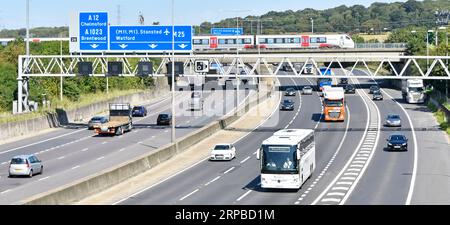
[[120, 120], [413, 91]]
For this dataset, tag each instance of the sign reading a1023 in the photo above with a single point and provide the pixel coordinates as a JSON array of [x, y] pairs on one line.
[[93, 31]]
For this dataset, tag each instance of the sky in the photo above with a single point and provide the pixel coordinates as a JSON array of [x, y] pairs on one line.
[[187, 12]]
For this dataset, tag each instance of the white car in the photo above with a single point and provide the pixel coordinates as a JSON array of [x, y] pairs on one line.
[[223, 152], [25, 165]]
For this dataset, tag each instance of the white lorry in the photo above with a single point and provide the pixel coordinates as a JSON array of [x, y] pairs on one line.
[[413, 91]]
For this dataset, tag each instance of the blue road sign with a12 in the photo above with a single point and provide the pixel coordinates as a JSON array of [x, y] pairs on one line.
[[227, 31], [93, 31], [150, 38]]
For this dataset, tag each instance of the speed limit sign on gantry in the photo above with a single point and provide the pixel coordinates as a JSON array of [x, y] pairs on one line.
[[201, 66]]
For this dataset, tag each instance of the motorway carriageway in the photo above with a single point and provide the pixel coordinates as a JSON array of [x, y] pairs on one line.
[[373, 172], [74, 153]]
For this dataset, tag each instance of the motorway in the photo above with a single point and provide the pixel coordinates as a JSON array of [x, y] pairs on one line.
[[352, 164], [74, 153]]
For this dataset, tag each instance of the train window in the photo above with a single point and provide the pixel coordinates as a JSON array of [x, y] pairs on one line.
[[296, 40], [263, 41], [247, 41], [205, 42], [197, 42], [221, 41], [231, 41], [313, 40], [322, 40], [270, 40], [279, 40], [240, 41]]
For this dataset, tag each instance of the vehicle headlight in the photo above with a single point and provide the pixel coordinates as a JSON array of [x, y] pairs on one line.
[[389, 144], [404, 144]]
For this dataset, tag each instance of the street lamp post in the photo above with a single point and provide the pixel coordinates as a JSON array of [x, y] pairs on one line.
[[312, 25], [173, 137]]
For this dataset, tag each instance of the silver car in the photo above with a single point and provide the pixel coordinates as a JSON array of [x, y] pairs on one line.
[[97, 121], [393, 120], [307, 90], [25, 165]]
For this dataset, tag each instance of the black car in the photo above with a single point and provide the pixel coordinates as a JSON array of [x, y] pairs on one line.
[[290, 92], [373, 88], [349, 89], [287, 104], [377, 95], [139, 111], [397, 142], [344, 81], [164, 119]]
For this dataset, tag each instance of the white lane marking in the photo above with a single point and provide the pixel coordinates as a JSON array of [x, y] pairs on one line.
[[3, 163], [3, 192], [331, 200], [85, 149], [39, 142], [121, 136], [75, 167], [122, 149], [166, 131], [44, 178], [335, 194], [243, 196], [228, 170], [99, 158], [62, 157], [351, 174], [348, 178], [153, 136], [209, 182], [370, 157], [340, 188], [354, 169], [104, 142], [248, 157], [344, 183], [414, 173], [351, 158], [181, 199]]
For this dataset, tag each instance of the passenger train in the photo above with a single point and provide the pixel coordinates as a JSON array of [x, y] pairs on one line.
[[291, 41], [288, 41]]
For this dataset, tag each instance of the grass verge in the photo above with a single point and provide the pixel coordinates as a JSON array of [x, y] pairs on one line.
[[440, 116]]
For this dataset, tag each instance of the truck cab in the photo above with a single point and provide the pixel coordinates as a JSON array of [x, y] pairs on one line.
[[413, 91], [120, 120]]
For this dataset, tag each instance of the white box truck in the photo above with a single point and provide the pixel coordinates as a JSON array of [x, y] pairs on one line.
[[413, 91]]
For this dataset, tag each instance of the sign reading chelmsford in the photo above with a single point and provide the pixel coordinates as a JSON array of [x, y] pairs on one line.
[[93, 31]]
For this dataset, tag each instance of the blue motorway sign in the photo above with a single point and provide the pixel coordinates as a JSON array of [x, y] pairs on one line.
[[227, 31], [93, 31], [150, 38]]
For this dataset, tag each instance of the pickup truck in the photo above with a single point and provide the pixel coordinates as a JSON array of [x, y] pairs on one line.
[[120, 120]]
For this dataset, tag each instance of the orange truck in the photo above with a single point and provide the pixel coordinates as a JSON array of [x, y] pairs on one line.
[[120, 120], [334, 104]]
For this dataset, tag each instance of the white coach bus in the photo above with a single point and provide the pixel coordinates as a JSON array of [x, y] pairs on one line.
[[287, 158]]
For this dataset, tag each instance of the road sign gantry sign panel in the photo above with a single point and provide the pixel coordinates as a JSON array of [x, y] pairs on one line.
[[150, 38], [93, 31], [227, 31]]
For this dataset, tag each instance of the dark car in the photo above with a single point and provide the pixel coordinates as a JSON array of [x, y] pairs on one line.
[[373, 88], [349, 89], [377, 95], [287, 104], [164, 119], [397, 142], [290, 92], [139, 111], [97, 121], [344, 81]]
